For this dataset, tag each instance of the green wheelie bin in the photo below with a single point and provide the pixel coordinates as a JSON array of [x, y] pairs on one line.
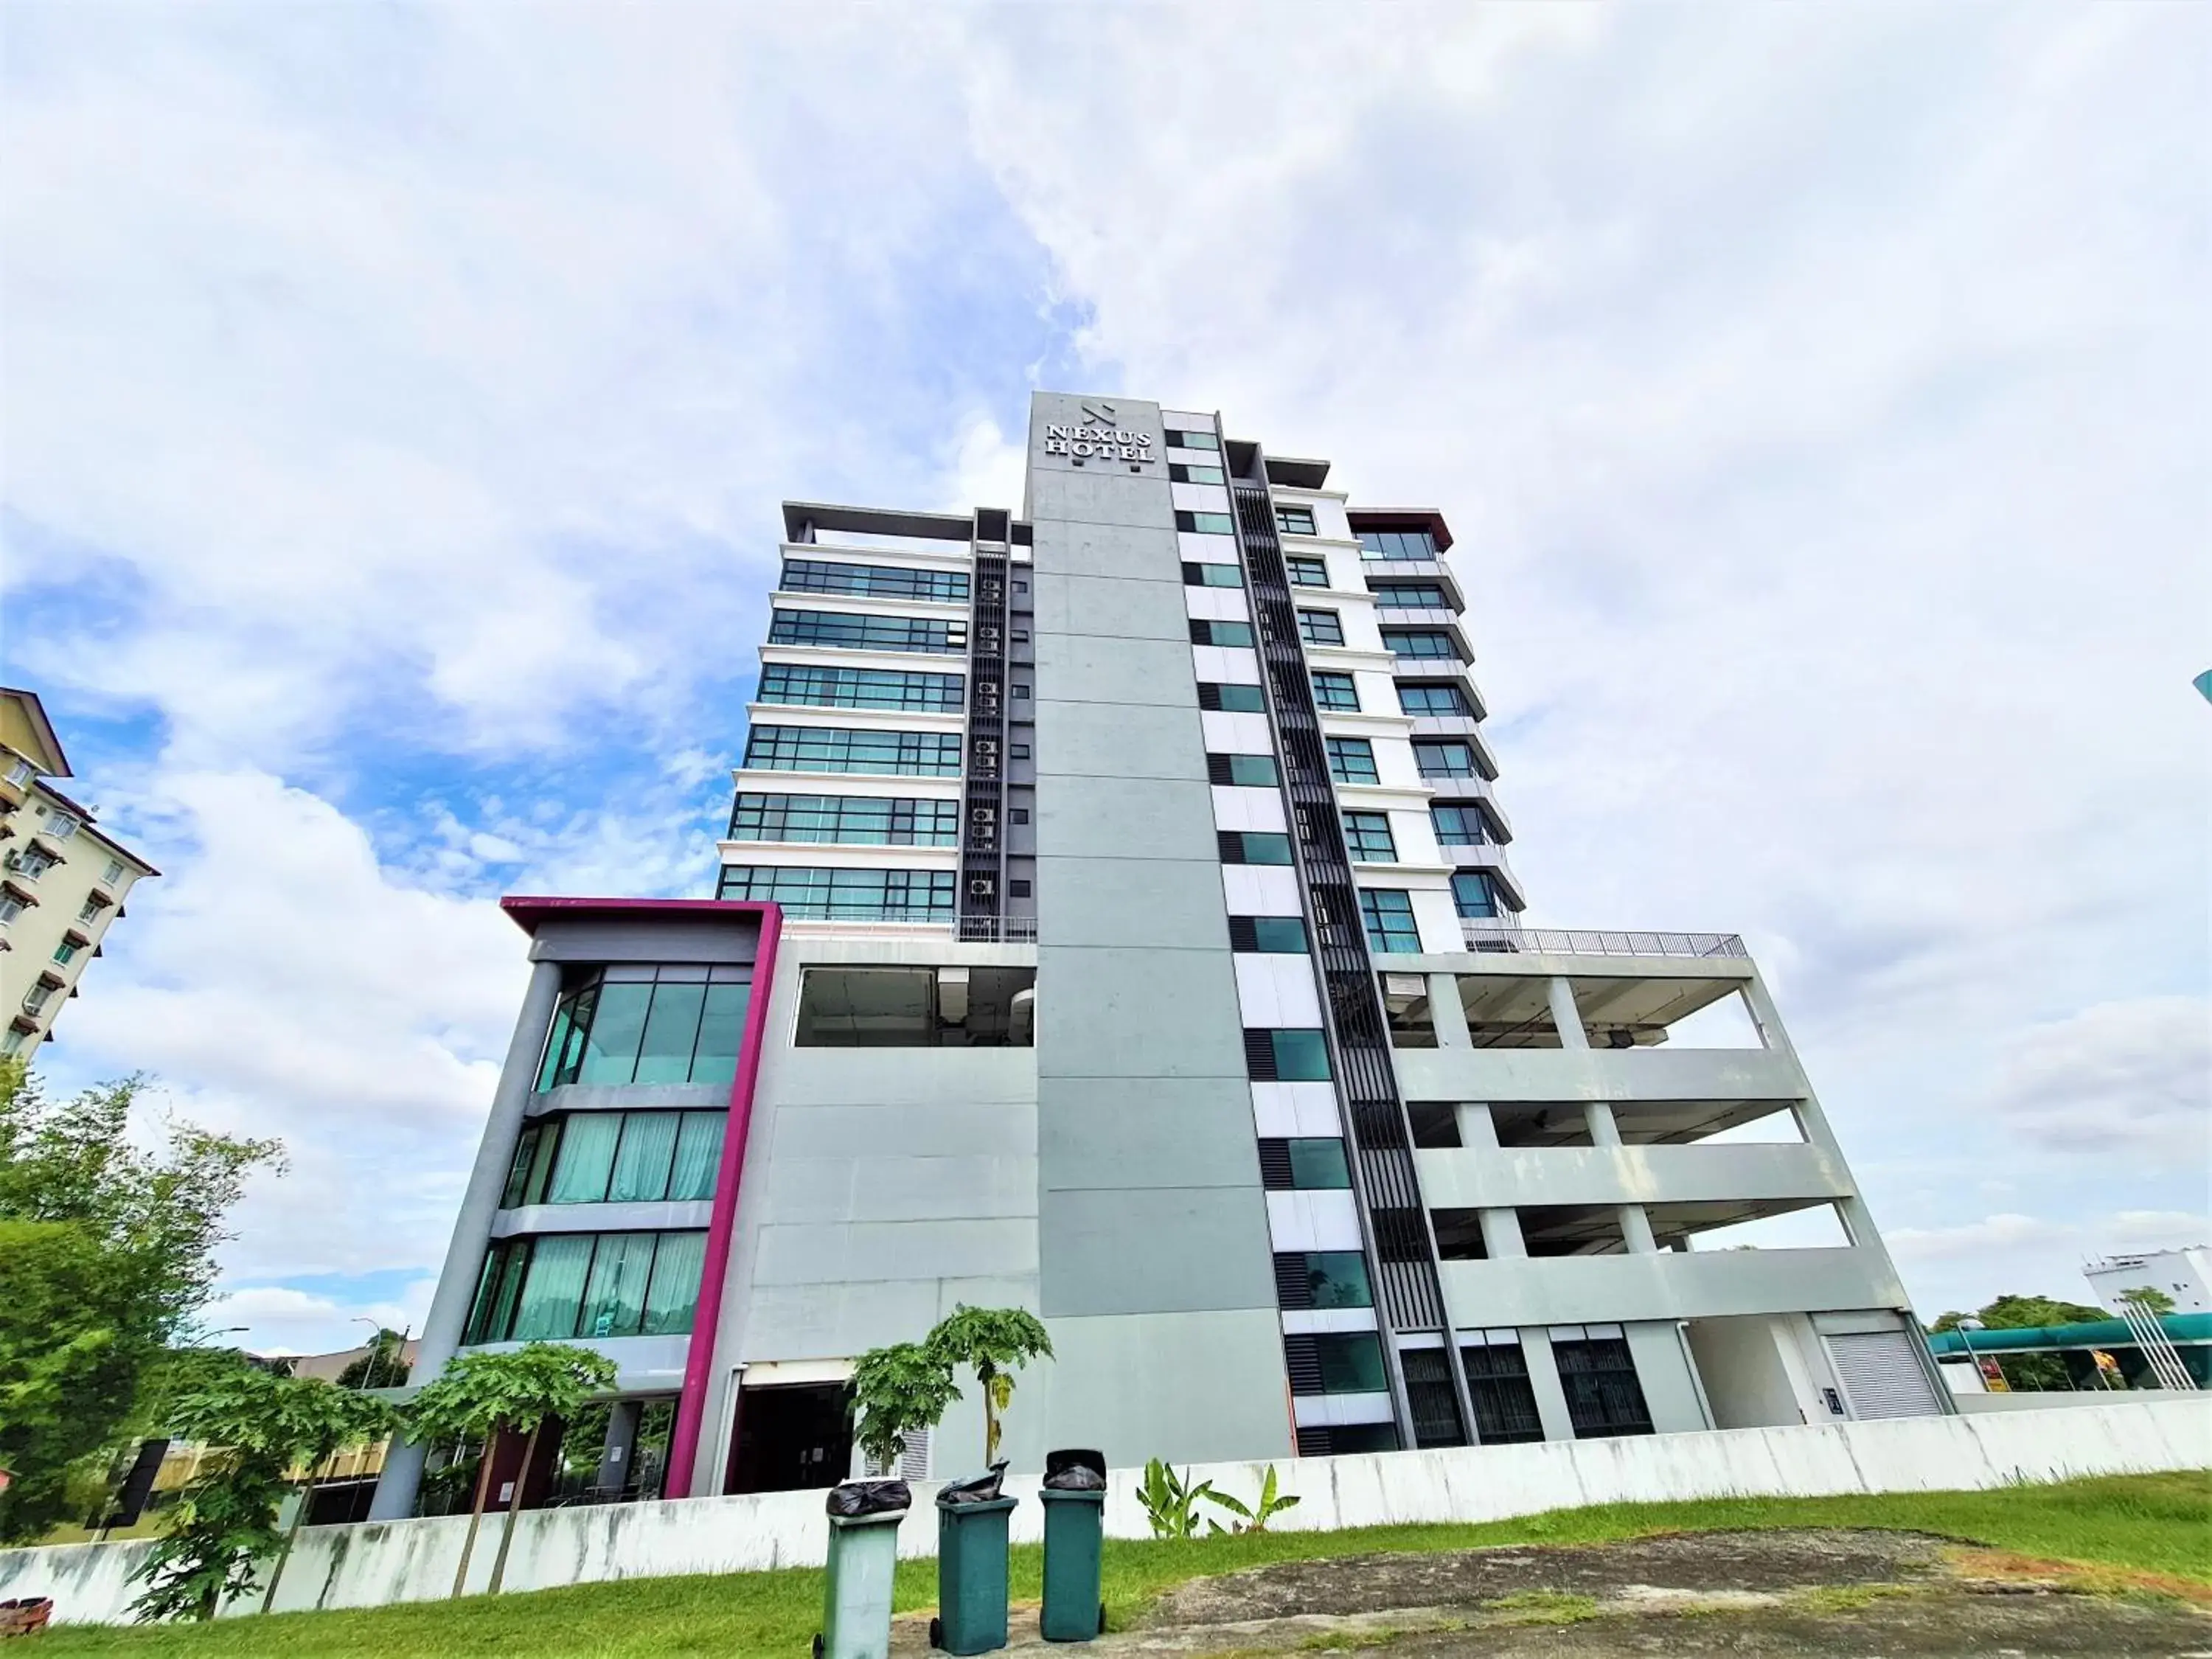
[[856, 1597], [971, 1565], [1074, 1498]]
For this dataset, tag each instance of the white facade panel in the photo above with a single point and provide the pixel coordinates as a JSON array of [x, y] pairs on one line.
[[1186, 420], [1289, 1111], [1199, 497], [1232, 664], [1236, 735], [1276, 991], [1217, 604], [1437, 917], [1415, 835], [1314, 1221], [1395, 765], [1378, 692], [1321, 1321], [1201, 547], [1235, 808], [1260, 889], [1325, 1411]]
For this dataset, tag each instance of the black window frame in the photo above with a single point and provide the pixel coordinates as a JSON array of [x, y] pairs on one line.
[[1330, 687], [1352, 759]]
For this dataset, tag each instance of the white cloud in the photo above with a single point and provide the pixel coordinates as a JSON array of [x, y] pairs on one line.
[[282, 1319], [2130, 1078], [1966, 1264]]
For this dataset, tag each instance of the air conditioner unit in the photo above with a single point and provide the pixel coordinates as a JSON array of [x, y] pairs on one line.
[[986, 815], [983, 886]]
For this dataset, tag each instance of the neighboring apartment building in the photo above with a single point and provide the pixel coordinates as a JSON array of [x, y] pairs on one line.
[[1116, 921], [62, 879], [2183, 1276]]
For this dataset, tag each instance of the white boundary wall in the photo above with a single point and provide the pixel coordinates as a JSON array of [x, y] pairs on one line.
[[370, 1564]]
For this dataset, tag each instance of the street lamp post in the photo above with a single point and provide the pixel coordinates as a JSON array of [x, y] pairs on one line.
[[1966, 1327]]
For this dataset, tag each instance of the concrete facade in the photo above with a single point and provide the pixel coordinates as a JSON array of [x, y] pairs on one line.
[[1121, 889]]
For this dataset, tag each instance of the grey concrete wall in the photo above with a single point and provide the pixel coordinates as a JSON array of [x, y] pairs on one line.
[[1152, 1228]]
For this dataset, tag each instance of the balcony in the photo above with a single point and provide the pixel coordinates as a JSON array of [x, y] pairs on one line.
[[1504, 937], [1576, 1290], [1484, 1178]]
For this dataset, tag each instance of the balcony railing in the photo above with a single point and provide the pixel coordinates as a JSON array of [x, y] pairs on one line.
[[1487, 936], [999, 930]]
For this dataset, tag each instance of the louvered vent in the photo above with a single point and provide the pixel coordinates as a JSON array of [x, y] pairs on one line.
[[1302, 1355], [1275, 1167], [1258, 1056]]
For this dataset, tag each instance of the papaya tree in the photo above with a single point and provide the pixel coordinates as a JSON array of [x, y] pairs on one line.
[[480, 1396], [897, 1391], [994, 1343]]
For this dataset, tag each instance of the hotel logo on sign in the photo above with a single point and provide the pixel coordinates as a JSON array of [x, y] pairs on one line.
[[1098, 434]]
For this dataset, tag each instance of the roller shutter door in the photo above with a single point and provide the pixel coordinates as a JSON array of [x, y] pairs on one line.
[[1881, 1375]]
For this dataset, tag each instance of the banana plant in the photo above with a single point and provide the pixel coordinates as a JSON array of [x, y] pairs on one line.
[[1272, 1503], [1171, 1502]]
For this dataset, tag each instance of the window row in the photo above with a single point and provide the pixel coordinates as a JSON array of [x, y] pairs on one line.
[[1397, 544], [1460, 826], [1410, 596], [1422, 644], [837, 749], [1292, 1055], [877, 580], [864, 820], [616, 1158], [848, 631], [1220, 633], [1205, 524], [845, 895], [1306, 1279], [1421, 697], [1243, 771], [1230, 699], [1212, 575], [860, 687], [1597, 1376], [1189, 472], [1253, 847], [637, 1023], [557, 1286], [1445, 757], [1283, 936], [1303, 1164], [1175, 440]]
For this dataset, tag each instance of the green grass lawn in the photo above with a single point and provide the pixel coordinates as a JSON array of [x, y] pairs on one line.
[[2158, 1524]]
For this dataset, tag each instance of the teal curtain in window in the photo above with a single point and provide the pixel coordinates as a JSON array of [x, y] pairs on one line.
[[611, 1049], [675, 1291], [664, 1056], [555, 1286], [721, 1028], [587, 1155], [648, 1144], [698, 1156], [614, 1301]]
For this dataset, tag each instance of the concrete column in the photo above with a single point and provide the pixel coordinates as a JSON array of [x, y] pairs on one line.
[[1565, 1015], [1501, 1235], [457, 1285], [1477, 1128], [1448, 1013], [620, 1451], [1636, 1228], [1544, 1383], [1604, 1131]]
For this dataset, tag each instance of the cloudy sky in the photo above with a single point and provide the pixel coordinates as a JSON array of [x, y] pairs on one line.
[[396, 401]]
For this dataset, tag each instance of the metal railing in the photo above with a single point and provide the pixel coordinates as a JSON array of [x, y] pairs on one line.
[[999, 930], [894, 923], [1485, 936]]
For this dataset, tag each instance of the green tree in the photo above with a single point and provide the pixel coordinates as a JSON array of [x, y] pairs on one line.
[[145, 1226], [384, 1366], [895, 1392], [2149, 1298], [481, 1395], [258, 1423], [994, 1343]]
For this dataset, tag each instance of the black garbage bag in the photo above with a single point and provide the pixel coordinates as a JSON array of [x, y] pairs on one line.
[[869, 1498], [983, 1489], [1075, 1471]]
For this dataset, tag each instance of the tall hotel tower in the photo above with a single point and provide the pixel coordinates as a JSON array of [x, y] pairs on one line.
[[1116, 921]]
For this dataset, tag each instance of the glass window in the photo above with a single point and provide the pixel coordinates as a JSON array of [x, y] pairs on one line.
[[1254, 847], [1410, 596], [1352, 759], [1220, 633], [1206, 523], [1397, 544], [1504, 1403], [1268, 935], [60, 825], [855, 632], [1475, 893], [1351, 1363], [66, 952], [1317, 1163], [1295, 521], [619, 1026], [1191, 440], [866, 820], [845, 895], [674, 1291], [833, 749], [113, 873], [1286, 1056], [1322, 1279], [10, 907], [1603, 1396], [1459, 826], [1320, 628], [34, 862], [1244, 771], [1389, 918], [643, 1159], [586, 1159], [1232, 699], [1185, 472], [1420, 699], [815, 686], [698, 1156], [1212, 575], [552, 1288], [1420, 642], [1443, 758], [1368, 837], [557, 1286], [1332, 690], [614, 1294], [882, 581], [1308, 573]]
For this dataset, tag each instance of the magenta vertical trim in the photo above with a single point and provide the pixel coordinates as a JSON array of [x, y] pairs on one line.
[[722, 1225]]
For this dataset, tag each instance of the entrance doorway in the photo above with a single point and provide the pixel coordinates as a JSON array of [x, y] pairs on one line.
[[791, 1437]]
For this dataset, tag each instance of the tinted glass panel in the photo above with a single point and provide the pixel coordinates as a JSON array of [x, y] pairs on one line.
[[1351, 1363], [1332, 690], [1300, 1056], [1317, 1162]]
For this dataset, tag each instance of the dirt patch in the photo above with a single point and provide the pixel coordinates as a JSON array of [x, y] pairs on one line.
[[1728, 1563]]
